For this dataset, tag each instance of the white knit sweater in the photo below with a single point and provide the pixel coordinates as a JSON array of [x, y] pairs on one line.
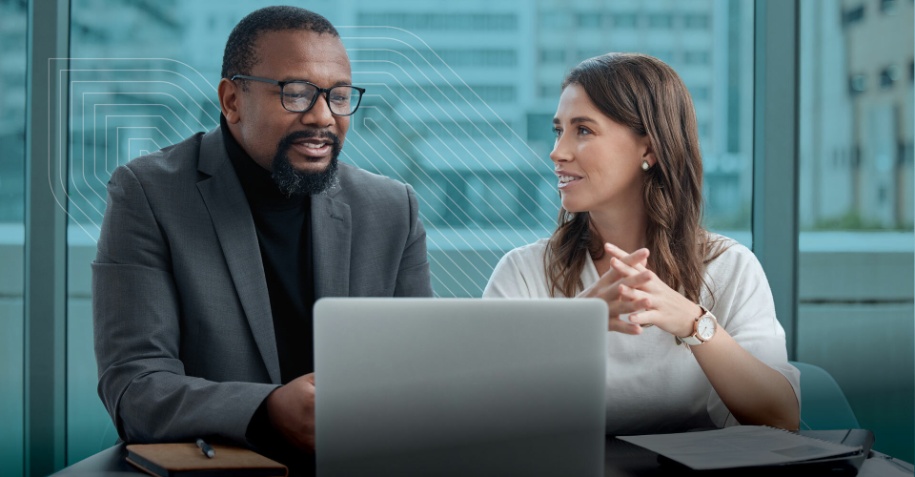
[[653, 384]]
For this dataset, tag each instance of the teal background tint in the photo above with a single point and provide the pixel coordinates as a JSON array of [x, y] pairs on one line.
[[459, 104], [855, 273], [13, 31]]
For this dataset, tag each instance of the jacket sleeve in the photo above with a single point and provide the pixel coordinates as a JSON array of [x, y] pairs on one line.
[[138, 331], [413, 278]]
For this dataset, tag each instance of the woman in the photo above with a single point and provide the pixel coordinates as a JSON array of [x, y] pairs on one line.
[[702, 347]]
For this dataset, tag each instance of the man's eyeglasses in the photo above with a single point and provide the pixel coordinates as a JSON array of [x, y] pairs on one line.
[[298, 96]]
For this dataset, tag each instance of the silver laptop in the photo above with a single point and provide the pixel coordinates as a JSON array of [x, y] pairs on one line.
[[459, 386]]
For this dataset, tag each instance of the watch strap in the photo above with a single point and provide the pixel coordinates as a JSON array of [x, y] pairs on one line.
[[693, 339]]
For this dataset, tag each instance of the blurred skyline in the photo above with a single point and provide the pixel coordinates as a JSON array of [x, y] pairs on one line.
[[459, 104], [460, 99]]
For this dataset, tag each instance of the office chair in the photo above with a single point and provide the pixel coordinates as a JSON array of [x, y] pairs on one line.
[[823, 405]]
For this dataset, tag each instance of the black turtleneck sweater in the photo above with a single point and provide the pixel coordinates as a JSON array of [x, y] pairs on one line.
[[283, 226]]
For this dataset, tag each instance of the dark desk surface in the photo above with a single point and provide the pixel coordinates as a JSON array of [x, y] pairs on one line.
[[622, 460]]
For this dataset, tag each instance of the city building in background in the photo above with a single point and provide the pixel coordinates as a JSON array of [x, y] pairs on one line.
[[857, 88], [459, 103], [460, 100], [13, 31], [880, 74], [855, 206], [12, 103]]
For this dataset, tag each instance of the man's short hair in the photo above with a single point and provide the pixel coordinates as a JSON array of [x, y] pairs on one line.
[[240, 55]]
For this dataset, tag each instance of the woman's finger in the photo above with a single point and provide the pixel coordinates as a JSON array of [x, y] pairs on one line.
[[622, 268], [620, 326], [646, 317], [640, 280], [631, 260], [637, 259]]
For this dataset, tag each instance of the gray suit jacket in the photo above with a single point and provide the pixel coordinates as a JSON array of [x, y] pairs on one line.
[[184, 334]]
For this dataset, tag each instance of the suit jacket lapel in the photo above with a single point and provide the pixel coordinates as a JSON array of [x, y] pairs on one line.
[[331, 232], [231, 217]]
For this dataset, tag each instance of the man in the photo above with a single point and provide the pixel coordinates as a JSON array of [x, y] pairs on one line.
[[213, 251]]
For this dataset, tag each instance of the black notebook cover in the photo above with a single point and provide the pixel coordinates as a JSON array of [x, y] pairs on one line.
[[844, 465]]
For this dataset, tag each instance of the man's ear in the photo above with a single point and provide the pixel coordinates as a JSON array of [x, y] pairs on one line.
[[228, 100]]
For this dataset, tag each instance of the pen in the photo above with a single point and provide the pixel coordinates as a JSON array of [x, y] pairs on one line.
[[206, 449]]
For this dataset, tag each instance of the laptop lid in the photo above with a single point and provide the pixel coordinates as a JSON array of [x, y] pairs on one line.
[[459, 386]]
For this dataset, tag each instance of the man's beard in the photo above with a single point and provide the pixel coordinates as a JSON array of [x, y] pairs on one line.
[[293, 182]]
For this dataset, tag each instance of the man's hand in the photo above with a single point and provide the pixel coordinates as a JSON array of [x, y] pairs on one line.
[[291, 409]]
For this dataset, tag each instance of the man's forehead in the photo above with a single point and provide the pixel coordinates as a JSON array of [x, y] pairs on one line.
[[295, 50], [306, 43]]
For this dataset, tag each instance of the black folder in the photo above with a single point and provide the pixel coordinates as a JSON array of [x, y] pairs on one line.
[[843, 465]]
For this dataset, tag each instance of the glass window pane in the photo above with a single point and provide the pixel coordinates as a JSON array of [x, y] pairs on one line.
[[132, 92], [856, 209], [459, 105], [13, 33]]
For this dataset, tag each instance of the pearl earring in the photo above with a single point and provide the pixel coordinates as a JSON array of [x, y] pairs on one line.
[[645, 165]]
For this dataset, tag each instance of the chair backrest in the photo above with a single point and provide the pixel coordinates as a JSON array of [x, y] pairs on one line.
[[823, 405]]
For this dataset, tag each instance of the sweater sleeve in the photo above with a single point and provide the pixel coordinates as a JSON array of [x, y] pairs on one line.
[[742, 301], [519, 274]]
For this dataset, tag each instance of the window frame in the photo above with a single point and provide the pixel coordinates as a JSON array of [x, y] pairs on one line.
[[774, 224], [45, 293]]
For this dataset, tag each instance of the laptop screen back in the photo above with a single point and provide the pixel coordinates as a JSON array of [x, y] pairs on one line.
[[460, 386]]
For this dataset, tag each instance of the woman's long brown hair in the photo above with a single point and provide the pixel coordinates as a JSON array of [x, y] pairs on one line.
[[646, 95]]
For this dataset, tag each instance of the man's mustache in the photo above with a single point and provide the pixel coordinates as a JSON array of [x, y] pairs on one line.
[[291, 138]]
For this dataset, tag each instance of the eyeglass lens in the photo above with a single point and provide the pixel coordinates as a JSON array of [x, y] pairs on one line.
[[299, 97]]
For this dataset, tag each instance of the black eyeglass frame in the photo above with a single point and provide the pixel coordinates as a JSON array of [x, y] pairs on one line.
[[320, 92]]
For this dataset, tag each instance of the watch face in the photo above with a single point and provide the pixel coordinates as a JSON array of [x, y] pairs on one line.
[[706, 328]]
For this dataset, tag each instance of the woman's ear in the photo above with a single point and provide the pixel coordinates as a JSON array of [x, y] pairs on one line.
[[228, 100], [648, 153]]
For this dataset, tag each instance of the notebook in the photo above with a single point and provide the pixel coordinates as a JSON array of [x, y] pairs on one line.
[[459, 386], [761, 449], [184, 459]]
